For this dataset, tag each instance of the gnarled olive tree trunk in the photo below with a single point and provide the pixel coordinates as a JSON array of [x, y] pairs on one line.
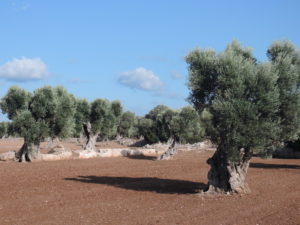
[[28, 152], [172, 150], [227, 176], [91, 137]]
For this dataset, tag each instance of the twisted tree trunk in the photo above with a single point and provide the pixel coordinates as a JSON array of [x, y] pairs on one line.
[[226, 176], [28, 152], [91, 137], [172, 150]]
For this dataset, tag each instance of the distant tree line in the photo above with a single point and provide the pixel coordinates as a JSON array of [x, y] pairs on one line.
[[241, 104], [52, 112]]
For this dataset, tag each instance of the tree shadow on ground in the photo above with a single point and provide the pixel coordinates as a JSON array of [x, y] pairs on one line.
[[142, 157], [273, 166], [152, 184]]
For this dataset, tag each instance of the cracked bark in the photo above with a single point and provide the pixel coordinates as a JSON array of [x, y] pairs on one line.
[[28, 152], [226, 176], [171, 151], [91, 137]]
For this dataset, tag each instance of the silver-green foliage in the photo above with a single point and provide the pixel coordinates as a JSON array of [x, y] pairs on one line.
[[48, 112], [245, 98], [285, 59], [128, 125], [155, 127], [161, 123], [103, 115], [82, 115], [187, 125]]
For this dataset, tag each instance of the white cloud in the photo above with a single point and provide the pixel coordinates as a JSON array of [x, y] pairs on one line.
[[24, 69], [142, 79]]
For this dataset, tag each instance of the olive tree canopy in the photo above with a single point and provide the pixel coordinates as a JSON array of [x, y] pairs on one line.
[[100, 120], [48, 112], [246, 100]]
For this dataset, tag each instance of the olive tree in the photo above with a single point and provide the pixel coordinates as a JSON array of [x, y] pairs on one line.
[[48, 112], [102, 121], [112, 122], [244, 100], [128, 125], [187, 125], [145, 129], [285, 59], [163, 124], [155, 126], [82, 114]]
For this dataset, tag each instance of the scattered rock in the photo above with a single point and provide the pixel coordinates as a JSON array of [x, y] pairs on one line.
[[57, 152], [57, 149], [8, 156], [86, 154]]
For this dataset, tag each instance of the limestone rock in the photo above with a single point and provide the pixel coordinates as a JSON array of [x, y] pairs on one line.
[[8, 156]]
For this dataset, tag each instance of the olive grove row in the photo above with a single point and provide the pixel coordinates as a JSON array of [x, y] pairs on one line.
[[244, 105], [52, 112]]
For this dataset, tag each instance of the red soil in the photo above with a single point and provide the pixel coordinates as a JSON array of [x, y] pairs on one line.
[[143, 191], [16, 143]]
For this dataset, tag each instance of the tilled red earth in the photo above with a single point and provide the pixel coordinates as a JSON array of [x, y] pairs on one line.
[[143, 191]]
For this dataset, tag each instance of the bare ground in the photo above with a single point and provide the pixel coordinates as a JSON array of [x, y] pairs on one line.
[[143, 191]]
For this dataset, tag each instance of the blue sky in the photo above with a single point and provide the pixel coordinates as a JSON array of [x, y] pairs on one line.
[[129, 50]]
